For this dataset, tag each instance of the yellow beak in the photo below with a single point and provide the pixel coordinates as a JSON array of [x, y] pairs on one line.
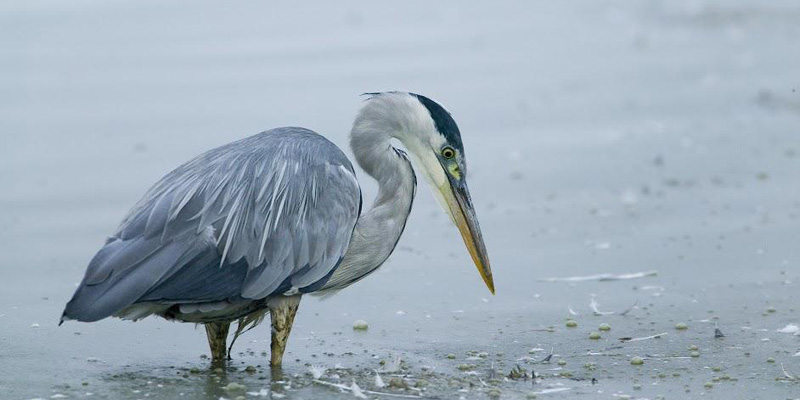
[[459, 205]]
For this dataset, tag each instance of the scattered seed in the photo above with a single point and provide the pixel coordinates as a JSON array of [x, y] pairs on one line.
[[770, 360], [695, 354], [604, 327], [360, 325], [708, 385], [451, 356], [562, 362], [693, 347], [637, 361], [594, 335]]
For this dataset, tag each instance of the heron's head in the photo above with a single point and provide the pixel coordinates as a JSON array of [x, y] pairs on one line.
[[433, 141]]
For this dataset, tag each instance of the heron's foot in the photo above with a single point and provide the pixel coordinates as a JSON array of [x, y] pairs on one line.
[[217, 333], [282, 310]]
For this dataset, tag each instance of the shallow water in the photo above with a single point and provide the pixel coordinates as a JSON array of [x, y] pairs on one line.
[[602, 137]]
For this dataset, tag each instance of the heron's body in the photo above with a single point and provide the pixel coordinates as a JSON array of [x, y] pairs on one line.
[[251, 226]]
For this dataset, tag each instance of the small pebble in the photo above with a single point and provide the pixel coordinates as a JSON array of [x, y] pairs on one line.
[[398, 383], [360, 325], [451, 356], [594, 335], [562, 362], [637, 361], [250, 369], [770, 360], [708, 385], [605, 327], [681, 326], [694, 354], [571, 323], [233, 386], [693, 347], [466, 367]]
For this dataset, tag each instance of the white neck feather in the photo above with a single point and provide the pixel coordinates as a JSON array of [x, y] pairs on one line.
[[378, 230]]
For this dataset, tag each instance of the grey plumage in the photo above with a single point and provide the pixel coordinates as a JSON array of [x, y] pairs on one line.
[[247, 228], [268, 214]]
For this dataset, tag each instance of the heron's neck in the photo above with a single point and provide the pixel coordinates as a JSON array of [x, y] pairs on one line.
[[378, 229]]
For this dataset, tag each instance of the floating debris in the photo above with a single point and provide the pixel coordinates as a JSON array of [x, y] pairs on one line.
[[604, 327], [360, 325], [357, 392], [261, 393], [394, 366], [602, 277], [594, 306], [628, 339], [466, 367], [786, 374], [234, 387], [548, 358], [791, 328], [681, 326], [569, 308], [317, 371], [518, 373], [378, 381], [637, 360], [364, 392], [398, 383], [631, 308], [553, 390]]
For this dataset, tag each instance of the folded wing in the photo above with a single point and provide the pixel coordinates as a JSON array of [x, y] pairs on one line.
[[264, 215]]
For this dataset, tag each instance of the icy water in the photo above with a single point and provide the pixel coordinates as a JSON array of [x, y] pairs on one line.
[[603, 137]]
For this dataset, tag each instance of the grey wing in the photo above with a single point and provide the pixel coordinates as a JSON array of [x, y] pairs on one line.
[[264, 215]]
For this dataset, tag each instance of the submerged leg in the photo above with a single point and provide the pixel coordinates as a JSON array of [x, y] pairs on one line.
[[217, 333], [282, 310]]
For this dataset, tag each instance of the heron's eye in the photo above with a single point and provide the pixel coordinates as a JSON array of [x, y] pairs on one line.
[[448, 153]]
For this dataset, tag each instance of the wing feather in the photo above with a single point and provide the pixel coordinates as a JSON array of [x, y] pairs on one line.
[[237, 222]]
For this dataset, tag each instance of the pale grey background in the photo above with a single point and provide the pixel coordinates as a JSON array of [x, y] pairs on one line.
[[602, 137]]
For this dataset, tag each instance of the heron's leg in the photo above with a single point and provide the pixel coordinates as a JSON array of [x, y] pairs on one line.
[[282, 310], [217, 333]]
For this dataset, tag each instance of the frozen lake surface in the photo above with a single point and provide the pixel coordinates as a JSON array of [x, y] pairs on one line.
[[603, 137]]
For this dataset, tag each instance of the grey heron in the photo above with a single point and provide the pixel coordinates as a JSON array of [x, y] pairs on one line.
[[246, 229]]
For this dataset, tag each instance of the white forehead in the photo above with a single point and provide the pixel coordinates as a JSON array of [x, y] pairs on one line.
[[413, 121]]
